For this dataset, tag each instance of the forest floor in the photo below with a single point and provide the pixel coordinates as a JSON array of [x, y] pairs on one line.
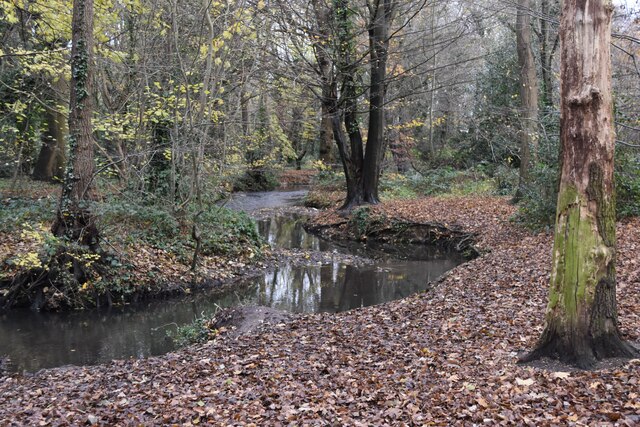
[[443, 357]]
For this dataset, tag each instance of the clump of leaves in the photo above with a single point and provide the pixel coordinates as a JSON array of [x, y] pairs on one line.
[[17, 211], [198, 331], [256, 180], [148, 223], [319, 199], [538, 204], [56, 273], [229, 232]]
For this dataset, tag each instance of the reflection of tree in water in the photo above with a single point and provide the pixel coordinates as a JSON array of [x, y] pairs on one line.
[[339, 287], [291, 289], [36, 341], [288, 233]]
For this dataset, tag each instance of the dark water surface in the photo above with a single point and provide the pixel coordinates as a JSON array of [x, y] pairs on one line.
[[41, 340]]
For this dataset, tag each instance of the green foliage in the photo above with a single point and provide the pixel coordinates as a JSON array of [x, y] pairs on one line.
[[148, 223], [506, 179], [359, 220], [627, 175], [537, 208], [447, 180], [437, 181], [198, 331], [223, 231], [328, 178], [229, 232], [492, 136], [362, 221], [396, 186], [256, 180], [16, 212]]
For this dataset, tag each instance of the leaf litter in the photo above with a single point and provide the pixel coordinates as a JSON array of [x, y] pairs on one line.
[[444, 357]]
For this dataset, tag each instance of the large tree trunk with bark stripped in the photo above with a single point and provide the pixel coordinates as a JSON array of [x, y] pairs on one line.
[[581, 319], [74, 220]]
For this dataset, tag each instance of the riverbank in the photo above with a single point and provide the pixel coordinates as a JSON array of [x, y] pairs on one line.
[[146, 252], [442, 357]]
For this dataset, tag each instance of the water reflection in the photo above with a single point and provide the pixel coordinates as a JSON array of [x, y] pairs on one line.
[[340, 287], [40, 340]]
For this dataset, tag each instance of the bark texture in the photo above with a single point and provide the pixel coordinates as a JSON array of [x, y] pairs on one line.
[[528, 93], [548, 45], [380, 22], [581, 319], [74, 220]]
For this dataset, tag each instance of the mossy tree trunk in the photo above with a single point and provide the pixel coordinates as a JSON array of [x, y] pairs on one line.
[[581, 319], [74, 219]]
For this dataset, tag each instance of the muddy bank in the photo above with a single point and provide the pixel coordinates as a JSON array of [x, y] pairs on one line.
[[459, 224], [237, 321]]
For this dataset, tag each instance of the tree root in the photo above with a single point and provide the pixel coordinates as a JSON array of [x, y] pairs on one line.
[[583, 355]]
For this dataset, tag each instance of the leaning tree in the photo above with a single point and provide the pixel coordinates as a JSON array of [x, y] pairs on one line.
[[581, 318]]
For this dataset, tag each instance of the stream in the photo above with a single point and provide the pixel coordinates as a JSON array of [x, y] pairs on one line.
[[35, 340]]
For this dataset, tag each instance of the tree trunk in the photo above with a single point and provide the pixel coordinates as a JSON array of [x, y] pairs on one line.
[[528, 94], [74, 220], [547, 52], [50, 163], [325, 68], [352, 159], [326, 137], [581, 319], [378, 48]]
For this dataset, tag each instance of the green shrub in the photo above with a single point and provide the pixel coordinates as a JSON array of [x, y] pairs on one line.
[[537, 208], [362, 221], [538, 205], [505, 179], [148, 223], [397, 186], [18, 211], [627, 176], [256, 180], [436, 181], [228, 232], [198, 331]]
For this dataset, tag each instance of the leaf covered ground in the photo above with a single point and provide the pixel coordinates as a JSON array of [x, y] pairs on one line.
[[444, 357]]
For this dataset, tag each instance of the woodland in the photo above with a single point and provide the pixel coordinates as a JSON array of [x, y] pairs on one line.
[[163, 152]]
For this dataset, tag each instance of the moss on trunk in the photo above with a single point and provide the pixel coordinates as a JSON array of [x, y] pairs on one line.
[[581, 320]]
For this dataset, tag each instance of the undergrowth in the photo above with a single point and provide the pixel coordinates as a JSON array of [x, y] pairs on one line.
[[198, 331], [48, 272]]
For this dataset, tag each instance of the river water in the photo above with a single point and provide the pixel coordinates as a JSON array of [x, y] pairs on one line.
[[41, 340]]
